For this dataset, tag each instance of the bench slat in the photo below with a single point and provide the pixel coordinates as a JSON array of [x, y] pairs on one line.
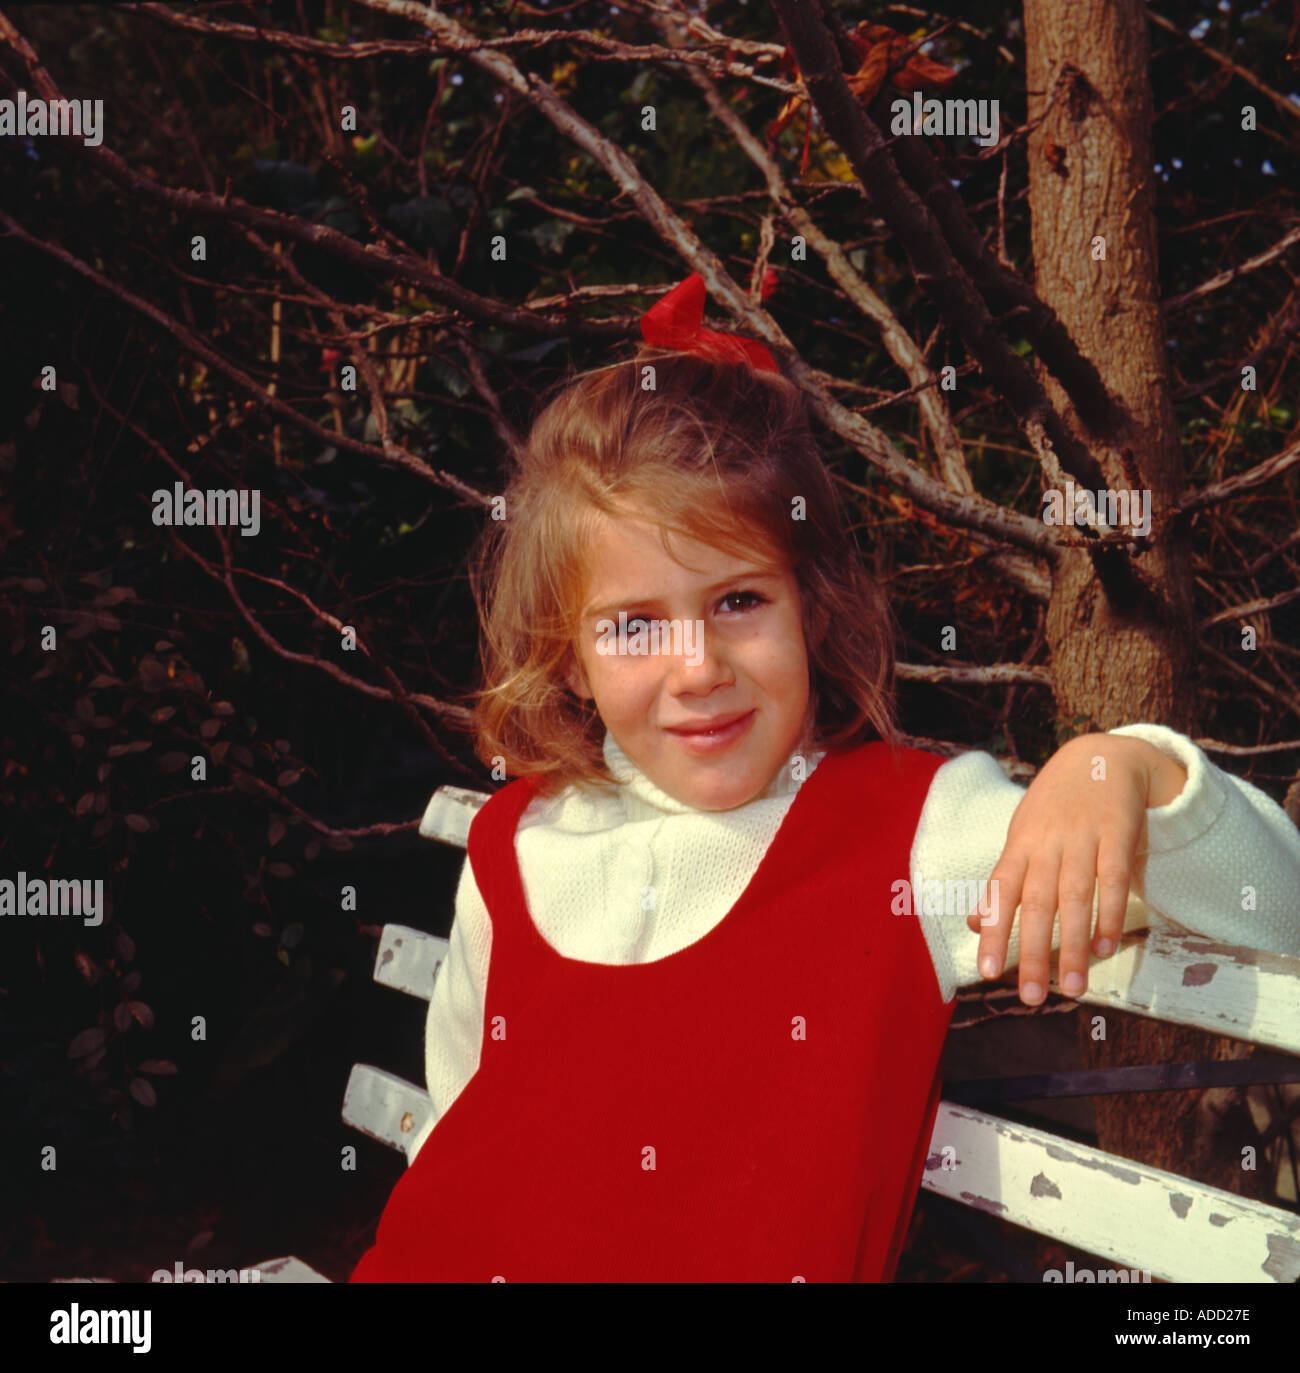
[[1126, 1212], [288, 1270], [449, 812], [385, 1107], [408, 960], [1187, 979]]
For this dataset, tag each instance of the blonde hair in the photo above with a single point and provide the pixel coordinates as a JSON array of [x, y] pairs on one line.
[[719, 451]]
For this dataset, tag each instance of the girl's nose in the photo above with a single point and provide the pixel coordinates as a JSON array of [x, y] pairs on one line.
[[699, 666]]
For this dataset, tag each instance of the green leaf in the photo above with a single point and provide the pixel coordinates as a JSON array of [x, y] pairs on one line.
[[551, 234], [449, 377]]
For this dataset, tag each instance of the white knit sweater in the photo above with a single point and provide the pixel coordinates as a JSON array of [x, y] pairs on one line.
[[586, 857]]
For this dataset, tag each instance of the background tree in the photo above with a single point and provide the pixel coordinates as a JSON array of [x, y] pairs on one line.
[[328, 243], [1119, 625]]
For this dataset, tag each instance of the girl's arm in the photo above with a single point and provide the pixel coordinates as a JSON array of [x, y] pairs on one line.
[[1220, 858], [453, 1033]]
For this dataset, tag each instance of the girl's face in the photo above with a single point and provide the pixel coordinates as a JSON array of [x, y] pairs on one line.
[[735, 653]]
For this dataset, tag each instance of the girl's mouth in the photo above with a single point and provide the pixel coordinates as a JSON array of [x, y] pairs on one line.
[[714, 738]]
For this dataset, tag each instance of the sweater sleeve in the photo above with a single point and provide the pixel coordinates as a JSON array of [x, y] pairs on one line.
[[453, 1034], [1222, 859]]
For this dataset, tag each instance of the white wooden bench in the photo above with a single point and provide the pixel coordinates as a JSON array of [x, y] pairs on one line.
[[1135, 1216]]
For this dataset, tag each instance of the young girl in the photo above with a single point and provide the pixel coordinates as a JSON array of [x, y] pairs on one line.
[[688, 1028]]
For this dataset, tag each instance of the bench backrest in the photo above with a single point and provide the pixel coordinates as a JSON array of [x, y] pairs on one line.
[[1133, 1215]]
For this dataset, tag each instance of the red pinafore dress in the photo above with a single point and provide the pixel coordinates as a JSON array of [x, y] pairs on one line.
[[756, 1107]]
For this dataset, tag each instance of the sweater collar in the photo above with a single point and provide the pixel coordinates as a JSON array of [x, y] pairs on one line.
[[643, 800]]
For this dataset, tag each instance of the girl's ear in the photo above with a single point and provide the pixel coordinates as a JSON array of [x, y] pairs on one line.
[[577, 679]]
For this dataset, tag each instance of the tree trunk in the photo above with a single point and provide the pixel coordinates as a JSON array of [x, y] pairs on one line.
[[1090, 177]]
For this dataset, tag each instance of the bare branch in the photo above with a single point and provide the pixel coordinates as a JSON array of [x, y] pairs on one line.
[[1289, 703], [1004, 290], [279, 38], [966, 510], [453, 714], [249, 781], [944, 280], [456, 716], [931, 18], [1014, 768], [1239, 612], [1280, 101], [1246, 750], [390, 454], [1243, 481], [512, 441], [596, 46], [1221, 279], [380, 829], [370, 257], [1260, 563], [701, 28], [898, 342], [969, 675]]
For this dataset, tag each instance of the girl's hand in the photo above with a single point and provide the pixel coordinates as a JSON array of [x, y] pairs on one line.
[[1079, 823]]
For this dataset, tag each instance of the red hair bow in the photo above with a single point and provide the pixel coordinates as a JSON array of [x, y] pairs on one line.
[[677, 321]]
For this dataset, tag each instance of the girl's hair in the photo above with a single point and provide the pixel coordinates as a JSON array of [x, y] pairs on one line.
[[716, 450]]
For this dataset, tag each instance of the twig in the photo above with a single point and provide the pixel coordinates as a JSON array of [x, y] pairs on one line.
[[1015, 769], [1260, 563], [455, 715], [1244, 750], [1279, 100], [968, 675], [1243, 481], [1289, 703], [1221, 279], [598, 46], [1239, 612], [390, 454], [945, 279], [965, 510]]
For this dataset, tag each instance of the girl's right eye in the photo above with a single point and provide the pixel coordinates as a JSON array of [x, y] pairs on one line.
[[742, 595]]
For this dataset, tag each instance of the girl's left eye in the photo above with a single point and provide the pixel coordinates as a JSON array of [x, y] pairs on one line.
[[743, 595]]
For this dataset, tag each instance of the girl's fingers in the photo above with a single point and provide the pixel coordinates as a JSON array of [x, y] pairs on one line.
[[1077, 884], [1115, 865], [998, 909], [1037, 916]]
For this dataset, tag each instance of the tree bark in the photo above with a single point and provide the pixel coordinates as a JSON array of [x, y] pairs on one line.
[[1090, 176]]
